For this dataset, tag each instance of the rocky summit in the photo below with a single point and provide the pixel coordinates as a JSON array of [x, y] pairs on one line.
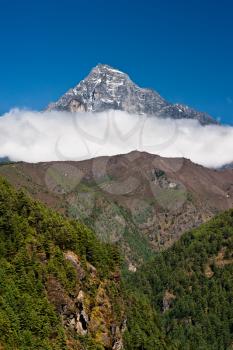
[[108, 88]]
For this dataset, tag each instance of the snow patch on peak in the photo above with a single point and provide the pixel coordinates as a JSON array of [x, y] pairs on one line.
[[104, 67]]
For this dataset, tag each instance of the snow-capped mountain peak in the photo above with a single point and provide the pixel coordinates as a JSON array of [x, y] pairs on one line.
[[108, 88]]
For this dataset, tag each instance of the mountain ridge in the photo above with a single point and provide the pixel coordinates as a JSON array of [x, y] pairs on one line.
[[108, 88], [141, 201]]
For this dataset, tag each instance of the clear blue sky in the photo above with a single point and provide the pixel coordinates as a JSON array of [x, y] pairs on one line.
[[183, 49]]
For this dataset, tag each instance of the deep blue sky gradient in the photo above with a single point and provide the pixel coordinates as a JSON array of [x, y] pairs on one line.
[[183, 49]]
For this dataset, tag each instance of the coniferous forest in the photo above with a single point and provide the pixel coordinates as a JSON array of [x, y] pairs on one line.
[[181, 299]]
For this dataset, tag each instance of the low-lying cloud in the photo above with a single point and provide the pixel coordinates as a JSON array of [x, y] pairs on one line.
[[48, 136]]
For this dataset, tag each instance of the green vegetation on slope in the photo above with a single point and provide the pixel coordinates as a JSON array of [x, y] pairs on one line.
[[33, 240], [182, 299], [191, 287]]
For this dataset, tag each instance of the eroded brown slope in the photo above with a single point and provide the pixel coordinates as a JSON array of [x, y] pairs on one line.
[[139, 195]]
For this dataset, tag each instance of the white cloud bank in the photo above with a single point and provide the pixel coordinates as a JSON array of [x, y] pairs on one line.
[[46, 136]]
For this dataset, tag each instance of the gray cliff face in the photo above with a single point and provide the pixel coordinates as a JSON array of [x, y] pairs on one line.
[[108, 88]]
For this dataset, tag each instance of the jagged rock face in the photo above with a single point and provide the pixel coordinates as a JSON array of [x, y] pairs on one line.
[[108, 88], [84, 312]]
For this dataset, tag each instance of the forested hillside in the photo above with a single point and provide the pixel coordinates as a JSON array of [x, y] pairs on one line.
[[60, 288], [191, 288], [58, 285]]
